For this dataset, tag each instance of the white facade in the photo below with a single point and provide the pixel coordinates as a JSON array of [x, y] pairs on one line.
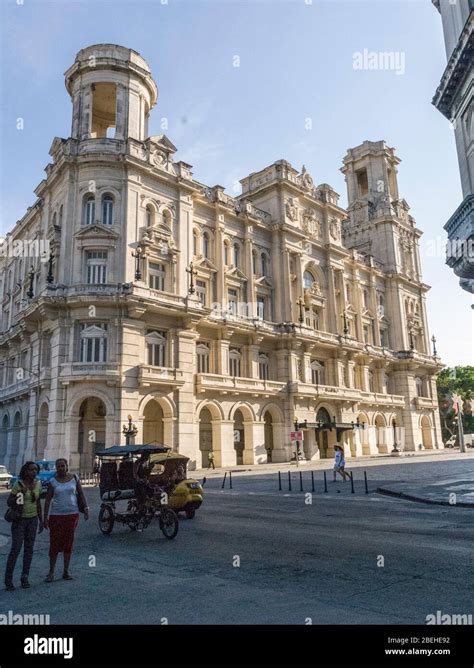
[[454, 98], [239, 315]]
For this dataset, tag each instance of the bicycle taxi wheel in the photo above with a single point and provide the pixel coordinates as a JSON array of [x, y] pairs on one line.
[[169, 523], [106, 518]]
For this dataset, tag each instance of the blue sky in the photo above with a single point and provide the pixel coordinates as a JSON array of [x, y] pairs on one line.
[[296, 62]]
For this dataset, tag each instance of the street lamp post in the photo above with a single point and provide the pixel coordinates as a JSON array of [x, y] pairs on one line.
[[129, 430], [50, 276], [138, 255], [346, 328], [30, 293], [435, 352], [192, 273], [300, 304]]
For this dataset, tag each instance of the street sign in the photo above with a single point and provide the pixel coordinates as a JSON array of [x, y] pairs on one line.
[[296, 436]]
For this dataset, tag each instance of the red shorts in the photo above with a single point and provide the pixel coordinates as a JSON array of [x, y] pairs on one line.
[[61, 533]]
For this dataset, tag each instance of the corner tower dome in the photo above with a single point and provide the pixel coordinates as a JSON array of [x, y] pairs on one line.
[[112, 93]]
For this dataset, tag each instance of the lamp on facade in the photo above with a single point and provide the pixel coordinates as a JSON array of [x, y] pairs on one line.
[[435, 352], [129, 430], [30, 293], [345, 328], [300, 304], [50, 276], [192, 273], [138, 255], [412, 343]]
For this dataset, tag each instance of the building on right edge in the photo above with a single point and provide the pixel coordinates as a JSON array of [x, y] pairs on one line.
[[454, 99]]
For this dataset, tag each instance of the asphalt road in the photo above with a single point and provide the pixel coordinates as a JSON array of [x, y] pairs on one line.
[[256, 555]]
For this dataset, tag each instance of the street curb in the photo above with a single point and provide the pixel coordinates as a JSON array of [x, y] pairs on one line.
[[419, 499]]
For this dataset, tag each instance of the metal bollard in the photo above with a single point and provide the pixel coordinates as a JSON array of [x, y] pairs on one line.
[[279, 481], [312, 481], [223, 482], [289, 481], [366, 485], [325, 482], [352, 482], [230, 479], [301, 482]]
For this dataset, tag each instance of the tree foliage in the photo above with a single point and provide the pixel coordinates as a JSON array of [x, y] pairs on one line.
[[457, 380]]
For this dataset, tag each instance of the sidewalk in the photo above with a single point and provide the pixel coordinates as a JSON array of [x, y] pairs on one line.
[[449, 492], [450, 454]]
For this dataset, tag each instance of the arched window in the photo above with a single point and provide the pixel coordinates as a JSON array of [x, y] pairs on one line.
[[202, 354], [167, 217], [107, 210], [308, 280], [89, 210], [205, 244], [61, 216], [263, 258], [55, 219], [365, 294], [150, 216], [236, 258]]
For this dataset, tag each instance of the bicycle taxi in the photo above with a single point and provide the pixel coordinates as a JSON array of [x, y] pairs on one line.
[[126, 475]]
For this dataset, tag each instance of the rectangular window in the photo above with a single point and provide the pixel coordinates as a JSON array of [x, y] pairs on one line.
[[366, 334], [94, 342], [96, 267], [156, 348], [202, 351], [201, 292], [234, 362], [261, 308], [384, 338], [156, 276], [232, 300], [263, 372]]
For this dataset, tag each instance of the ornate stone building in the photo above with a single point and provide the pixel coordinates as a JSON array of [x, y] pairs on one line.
[[454, 98], [214, 321]]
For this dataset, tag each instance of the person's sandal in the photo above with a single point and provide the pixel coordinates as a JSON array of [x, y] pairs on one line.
[[67, 576], [49, 578], [9, 586], [24, 582]]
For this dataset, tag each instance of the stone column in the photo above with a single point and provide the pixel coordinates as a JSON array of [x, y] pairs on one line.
[[223, 439], [186, 425], [332, 301]]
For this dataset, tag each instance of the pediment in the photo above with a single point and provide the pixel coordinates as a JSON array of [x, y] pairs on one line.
[[96, 231], [237, 274], [56, 145], [263, 282], [163, 142], [205, 263]]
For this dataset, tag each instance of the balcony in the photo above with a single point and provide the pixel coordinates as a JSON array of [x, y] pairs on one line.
[[159, 375], [305, 390], [15, 390], [84, 371], [425, 402], [236, 385], [168, 298]]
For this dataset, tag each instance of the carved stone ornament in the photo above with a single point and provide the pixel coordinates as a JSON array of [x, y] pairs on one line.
[[159, 158], [311, 224], [291, 210], [335, 230], [306, 179]]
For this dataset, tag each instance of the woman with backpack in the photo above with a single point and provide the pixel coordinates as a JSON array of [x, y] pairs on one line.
[[66, 499], [26, 515]]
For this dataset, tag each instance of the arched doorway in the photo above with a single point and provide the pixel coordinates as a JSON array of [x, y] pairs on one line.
[[381, 434], [323, 434], [42, 438], [153, 426], [268, 435], [5, 426], [426, 432], [239, 437], [205, 436], [91, 432]]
